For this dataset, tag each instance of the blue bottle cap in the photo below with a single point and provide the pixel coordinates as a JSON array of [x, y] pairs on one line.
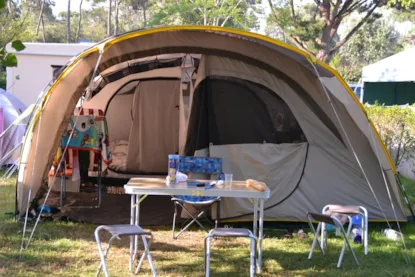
[[174, 156]]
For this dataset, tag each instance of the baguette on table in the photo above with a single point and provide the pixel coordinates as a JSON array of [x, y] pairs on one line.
[[255, 184]]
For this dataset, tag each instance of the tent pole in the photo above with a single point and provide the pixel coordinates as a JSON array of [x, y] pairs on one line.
[[101, 52], [405, 196], [5, 157]]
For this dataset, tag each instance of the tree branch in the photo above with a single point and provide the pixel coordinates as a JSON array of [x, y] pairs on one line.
[[272, 7], [335, 10], [233, 9], [354, 30], [325, 11], [292, 9], [345, 6], [297, 41]]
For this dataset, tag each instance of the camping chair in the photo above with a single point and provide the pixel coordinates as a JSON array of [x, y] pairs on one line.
[[206, 165], [231, 232], [322, 218], [118, 231], [338, 211]]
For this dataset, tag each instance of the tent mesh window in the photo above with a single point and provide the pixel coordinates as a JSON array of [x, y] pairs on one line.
[[137, 67], [228, 110]]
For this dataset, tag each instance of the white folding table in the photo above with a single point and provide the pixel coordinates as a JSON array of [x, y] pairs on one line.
[[139, 188]]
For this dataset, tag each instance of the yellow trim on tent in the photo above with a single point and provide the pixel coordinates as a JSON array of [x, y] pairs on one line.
[[111, 41]]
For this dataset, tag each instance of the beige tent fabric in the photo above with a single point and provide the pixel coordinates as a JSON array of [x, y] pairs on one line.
[[278, 165], [358, 118], [119, 117], [327, 149], [41, 144], [154, 133], [325, 182]]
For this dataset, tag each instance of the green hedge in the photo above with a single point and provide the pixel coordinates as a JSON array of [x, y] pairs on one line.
[[2, 80], [396, 126]]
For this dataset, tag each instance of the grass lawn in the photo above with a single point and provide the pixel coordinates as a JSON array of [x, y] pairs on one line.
[[69, 249]]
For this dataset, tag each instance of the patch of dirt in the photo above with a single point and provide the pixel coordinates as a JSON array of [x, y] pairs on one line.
[[114, 209]]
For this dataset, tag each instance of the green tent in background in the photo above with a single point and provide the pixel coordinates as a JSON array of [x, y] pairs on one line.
[[390, 81]]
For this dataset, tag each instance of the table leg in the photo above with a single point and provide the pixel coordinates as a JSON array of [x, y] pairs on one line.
[[136, 222], [255, 223], [132, 220], [261, 234]]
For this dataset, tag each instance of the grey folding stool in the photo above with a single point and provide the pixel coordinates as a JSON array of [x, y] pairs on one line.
[[230, 232], [321, 218], [343, 211], [118, 231]]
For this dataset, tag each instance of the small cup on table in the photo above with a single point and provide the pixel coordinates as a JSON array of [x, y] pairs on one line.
[[228, 180]]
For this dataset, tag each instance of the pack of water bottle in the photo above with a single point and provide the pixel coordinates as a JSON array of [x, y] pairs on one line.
[[357, 221], [357, 235], [392, 234]]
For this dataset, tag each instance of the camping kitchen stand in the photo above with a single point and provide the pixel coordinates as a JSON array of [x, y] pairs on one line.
[[140, 188]]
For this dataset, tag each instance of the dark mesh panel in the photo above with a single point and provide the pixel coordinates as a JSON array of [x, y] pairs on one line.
[[235, 111]]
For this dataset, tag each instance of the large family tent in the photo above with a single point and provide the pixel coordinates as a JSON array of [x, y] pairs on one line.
[[270, 111], [11, 130]]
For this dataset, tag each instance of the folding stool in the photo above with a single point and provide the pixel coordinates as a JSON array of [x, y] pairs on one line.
[[340, 210], [321, 218], [230, 232], [124, 230]]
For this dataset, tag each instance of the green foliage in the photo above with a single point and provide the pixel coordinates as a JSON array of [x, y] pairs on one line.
[[227, 13], [12, 26], [402, 4], [305, 27], [18, 45], [9, 60], [370, 44], [2, 81], [396, 127]]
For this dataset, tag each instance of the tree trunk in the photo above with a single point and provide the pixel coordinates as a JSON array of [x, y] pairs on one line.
[[204, 16], [43, 30], [145, 16], [117, 3], [78, 31], [40, 17], [324, 55], [109, 18], [68, 23]]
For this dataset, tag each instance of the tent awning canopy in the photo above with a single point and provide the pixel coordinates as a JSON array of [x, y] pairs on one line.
[[396, 68]]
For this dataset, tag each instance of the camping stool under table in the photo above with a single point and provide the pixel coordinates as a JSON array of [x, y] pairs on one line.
[[342, 211], [118, 231], [322, 218], [230, 232]]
